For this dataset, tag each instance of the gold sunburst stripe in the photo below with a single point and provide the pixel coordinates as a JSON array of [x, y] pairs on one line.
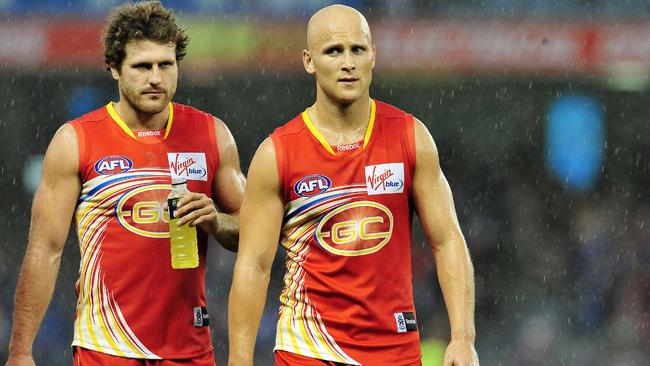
[[311, 326], [96, 303], [292, 281], [299, 308]]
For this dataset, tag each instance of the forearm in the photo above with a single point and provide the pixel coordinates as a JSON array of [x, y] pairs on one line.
[[245, 307], [456, 277], [227, 231], [33, 294]]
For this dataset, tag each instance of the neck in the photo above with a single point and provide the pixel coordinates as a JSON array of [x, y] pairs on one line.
[[341, 124], [138, 120]]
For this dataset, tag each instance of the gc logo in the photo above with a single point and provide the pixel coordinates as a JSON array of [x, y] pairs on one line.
[[356, 228], [140, 211]]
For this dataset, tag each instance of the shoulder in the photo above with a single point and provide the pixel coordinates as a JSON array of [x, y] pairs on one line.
[[99, 114], [64, 147], [186, 111], [294, 126], [386, 110]]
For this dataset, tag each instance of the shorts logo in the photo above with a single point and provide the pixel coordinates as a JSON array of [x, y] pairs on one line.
[[113, 164], [140, 211], [385, 178], [312, 185], [405, 322], [201, 317], [355, 228], [191, 166]]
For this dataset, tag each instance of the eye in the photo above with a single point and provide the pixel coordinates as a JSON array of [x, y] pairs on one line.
[[142, 66], [333, 51], [165, 65], [358, 49]]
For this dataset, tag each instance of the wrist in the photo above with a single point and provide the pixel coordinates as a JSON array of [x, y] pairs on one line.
[[469, 337], [19, 351]]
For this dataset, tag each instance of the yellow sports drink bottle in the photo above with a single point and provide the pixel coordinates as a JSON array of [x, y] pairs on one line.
[[184, 249]]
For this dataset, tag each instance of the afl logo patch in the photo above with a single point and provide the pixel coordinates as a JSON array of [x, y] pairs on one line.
[[355, 228], [113, 164], [312, 185]]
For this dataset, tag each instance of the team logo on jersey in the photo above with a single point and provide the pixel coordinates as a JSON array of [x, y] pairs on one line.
[[191, 166], [385, 178], [355, 228], [140, 211], [312, 185], [113, 164]]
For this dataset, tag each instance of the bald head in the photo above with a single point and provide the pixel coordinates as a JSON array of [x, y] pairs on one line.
[[335, 19]]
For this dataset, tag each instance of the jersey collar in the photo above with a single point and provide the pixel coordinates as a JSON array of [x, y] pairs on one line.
[[319, 136], [127, 130]]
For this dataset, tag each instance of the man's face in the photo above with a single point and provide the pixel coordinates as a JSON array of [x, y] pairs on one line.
[[148, 76], [342, 57]]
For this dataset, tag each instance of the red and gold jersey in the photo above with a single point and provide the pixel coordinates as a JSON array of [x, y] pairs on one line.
[[347, 293], [131, 303]]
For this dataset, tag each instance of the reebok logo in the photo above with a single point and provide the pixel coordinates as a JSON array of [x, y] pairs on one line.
[[348, 147], [149, 133]]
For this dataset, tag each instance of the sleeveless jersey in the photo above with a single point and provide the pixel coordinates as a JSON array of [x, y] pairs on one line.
[[131, 303], [347, 293]]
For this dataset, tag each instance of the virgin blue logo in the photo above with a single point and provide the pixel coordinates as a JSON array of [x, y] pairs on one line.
[[113, 164], [312, 185]]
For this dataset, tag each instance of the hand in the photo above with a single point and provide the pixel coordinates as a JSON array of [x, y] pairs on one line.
[[24, 360], [197, 209], [461, 353]]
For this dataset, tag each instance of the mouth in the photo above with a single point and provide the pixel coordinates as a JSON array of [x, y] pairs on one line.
[[348, 81], [154, 92]]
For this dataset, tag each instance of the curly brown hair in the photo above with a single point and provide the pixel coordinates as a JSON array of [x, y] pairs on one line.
[[146, 20]]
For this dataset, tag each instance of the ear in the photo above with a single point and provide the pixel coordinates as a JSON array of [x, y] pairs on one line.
[[115, 73], [308, 62], [374, 54]]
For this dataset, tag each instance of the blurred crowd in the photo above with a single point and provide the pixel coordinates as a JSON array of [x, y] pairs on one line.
[[398, 8]]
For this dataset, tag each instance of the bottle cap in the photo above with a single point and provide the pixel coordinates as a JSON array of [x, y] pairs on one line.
[[178, 180]]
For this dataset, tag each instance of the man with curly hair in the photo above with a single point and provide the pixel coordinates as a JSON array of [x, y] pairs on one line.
[[110, 171]]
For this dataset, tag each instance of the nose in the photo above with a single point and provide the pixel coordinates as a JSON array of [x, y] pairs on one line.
[[155, 77], [348, 62]]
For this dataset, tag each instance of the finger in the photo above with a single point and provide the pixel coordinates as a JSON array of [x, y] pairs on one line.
[[448, 360], [209, 217], [194, 214], [195, 205], [192, 196]]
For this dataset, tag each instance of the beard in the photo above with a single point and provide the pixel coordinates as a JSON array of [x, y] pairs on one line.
[[142, 103]]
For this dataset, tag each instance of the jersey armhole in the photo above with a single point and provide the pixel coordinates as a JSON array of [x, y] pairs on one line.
[[280, 164], [212, 133], [82, 154], [409, 136]]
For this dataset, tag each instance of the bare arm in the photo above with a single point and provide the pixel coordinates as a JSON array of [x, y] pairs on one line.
[[227, 190], [435, 207], [52, 211], [261, 220]]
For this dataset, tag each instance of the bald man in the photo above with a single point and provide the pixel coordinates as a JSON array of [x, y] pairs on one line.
[[336, 187]]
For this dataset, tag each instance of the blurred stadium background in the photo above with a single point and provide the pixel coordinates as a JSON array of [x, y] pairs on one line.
[[540, 110]]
